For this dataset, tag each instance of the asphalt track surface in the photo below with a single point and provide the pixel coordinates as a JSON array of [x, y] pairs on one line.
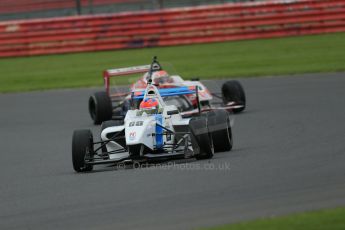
[[288, 156]]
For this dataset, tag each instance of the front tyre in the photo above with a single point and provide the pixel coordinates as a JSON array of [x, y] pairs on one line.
[[100, 107], [82, 148]]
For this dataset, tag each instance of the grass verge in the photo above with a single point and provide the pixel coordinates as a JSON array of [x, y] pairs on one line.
[[318, 53], [329, 219]]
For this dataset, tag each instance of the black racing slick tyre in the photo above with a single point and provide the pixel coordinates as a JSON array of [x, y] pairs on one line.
[[220, 129], [82, 149], [100, 107], [233, 91], [201, 137]]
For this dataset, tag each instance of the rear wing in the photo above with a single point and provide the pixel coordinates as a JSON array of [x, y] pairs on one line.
[[107, 74]]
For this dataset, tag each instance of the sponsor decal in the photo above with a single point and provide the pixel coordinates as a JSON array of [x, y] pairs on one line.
[[139, 123], [132, 135]]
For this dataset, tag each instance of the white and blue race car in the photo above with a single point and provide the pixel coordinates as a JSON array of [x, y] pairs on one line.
[[155, 133]]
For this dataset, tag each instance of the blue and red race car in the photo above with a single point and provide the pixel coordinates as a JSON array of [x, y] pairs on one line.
[[107, 105]]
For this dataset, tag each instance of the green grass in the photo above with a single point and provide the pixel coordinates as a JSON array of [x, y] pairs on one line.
[[331, 219], [319, 53]]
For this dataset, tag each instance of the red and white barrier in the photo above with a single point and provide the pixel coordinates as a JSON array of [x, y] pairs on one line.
[[227, 22]]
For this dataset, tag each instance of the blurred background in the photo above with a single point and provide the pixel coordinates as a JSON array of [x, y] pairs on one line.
[[25, 9], [40, 27]]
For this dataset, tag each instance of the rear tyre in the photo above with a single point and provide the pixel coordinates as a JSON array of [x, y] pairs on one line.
[[201, 138], [220, 129], [233, 91], [100, 107], [82, 148]]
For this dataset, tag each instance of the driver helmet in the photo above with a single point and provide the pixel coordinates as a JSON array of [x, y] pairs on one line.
[[149, 104]]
